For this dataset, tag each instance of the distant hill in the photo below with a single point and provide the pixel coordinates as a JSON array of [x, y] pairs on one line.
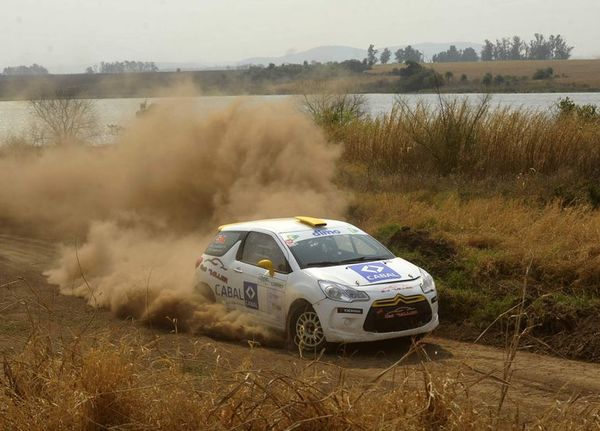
[[321, 54], [324, 54]]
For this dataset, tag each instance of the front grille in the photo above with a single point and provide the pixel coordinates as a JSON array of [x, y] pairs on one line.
[[399, 313]]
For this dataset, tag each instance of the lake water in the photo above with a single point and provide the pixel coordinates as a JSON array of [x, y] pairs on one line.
[[15, 116]]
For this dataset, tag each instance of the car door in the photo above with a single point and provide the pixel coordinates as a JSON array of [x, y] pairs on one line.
[[264, 295]]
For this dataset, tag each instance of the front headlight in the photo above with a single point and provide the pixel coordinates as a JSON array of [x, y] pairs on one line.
[[340, 292], [427, 283]]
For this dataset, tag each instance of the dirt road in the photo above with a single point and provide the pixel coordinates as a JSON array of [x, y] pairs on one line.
[[27, 301]]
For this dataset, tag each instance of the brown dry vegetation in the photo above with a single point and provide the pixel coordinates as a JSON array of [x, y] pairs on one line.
[[584, 73], [499, 191], [490, 202], [94, 384]]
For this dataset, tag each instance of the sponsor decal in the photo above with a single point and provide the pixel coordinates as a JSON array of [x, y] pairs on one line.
[[325, 232], [217, 262], [395, 288], [229, 292], [347, 310], [248, 294], [251, 295], [375, 272], [220, 239], [293, 238], [290, 239], [397, 312], [216, 275]]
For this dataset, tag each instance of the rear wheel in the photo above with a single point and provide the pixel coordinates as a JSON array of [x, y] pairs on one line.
[[306, 330]]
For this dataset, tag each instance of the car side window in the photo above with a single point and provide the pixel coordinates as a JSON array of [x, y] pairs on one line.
[[259, 246], [223, 242]]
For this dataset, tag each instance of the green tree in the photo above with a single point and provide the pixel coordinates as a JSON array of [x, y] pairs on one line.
[[518, 49], [412, 54], [469, 54], [559, 48], [408, 54], [385, 56], [539, 49], [400, 55], [487, 53], [372, 55]]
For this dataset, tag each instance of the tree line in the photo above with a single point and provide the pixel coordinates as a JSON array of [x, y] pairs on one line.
[[555, 47], [34, 69], [123, 67], [539, 48], [401, 55]]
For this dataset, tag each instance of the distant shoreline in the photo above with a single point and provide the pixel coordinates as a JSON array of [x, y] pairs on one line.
[[582, 76]]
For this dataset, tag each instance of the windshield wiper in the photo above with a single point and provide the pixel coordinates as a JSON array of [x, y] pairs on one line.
[[324, 263], [346, 261], [363, 259]]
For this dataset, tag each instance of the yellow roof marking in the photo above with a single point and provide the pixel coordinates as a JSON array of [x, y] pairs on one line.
[[223, 226], [311, 221]]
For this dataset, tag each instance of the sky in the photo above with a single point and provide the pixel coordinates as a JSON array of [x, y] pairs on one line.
[[69, 34]]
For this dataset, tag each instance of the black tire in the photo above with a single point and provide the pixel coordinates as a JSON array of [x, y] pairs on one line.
[[206, 292], [305, 330]]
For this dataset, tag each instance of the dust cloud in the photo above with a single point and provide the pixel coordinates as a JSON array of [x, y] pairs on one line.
[[146, 205]]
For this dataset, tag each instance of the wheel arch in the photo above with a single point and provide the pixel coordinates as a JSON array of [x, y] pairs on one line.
[[295, 305]]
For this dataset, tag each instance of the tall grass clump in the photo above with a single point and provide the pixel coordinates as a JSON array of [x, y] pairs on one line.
[[474, 140], [131, 387]]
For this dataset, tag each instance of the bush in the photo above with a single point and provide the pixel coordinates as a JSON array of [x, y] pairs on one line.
[[458, 137], [333, 110], [543, 73], [567, 108]]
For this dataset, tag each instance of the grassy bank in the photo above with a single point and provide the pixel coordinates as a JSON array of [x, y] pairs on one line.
[[350, 77], [514, 76], [488, 200], [129, 384]]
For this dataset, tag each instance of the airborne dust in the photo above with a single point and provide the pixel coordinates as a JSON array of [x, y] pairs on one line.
[[134, 216]]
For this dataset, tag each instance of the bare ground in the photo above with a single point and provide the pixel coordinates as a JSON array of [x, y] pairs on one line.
[[29, 305]]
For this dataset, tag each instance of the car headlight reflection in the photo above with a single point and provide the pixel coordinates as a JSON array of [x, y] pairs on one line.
[[427, 283], [340, 292]]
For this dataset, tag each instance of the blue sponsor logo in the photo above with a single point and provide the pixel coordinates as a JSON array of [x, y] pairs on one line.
[[251, 295], [374, 272]]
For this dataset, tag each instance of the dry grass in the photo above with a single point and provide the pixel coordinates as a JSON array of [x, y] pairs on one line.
[[129, 387], [459, 138], [555, 237], [570, 72]]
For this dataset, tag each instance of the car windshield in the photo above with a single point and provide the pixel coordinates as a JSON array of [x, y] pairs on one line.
[[332, 250]]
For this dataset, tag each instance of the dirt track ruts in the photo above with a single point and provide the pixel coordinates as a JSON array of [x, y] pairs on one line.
[[538, 382]]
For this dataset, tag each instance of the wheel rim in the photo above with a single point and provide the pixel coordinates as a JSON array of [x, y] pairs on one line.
[[309, 333]]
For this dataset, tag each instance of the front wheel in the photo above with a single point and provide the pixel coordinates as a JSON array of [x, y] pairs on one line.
[[306, 330]]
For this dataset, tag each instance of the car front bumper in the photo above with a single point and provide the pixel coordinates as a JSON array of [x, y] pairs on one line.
[[380, 318]]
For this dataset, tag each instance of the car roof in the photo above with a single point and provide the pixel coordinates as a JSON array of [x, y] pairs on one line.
[[282, 225]]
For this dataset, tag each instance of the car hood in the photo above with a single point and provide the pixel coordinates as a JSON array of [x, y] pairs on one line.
[[367, 273]]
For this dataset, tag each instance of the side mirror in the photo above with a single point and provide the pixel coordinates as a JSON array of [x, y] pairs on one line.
[[268, 265]]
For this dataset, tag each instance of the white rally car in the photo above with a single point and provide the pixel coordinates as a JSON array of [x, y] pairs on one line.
[[318, 281]]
